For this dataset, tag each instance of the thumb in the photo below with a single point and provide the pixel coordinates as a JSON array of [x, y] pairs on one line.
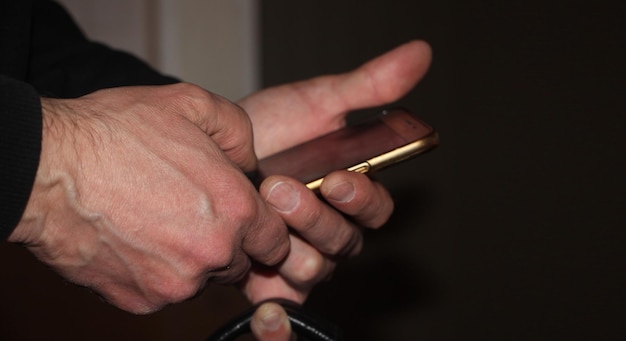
[[383, 79]]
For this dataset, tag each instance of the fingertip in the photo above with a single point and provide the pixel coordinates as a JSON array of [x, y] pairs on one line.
[[341, 186], [387, 77], [281, 195], [270, 322], [400, 69], [422, 47], [421, 52], [338, 188], [355, 194]]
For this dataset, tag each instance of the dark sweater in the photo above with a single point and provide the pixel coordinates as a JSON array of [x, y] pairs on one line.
[[44, 53]]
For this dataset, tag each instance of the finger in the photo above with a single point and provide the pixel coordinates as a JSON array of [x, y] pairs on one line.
[[231, 273], [319, 224], [380, 81], [225, 122], [305, 266], [293, 278], [263, 283], [356, 195], [267, 241], [271, 323]]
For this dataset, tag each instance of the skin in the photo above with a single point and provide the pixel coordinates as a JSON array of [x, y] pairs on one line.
[[140, 193]]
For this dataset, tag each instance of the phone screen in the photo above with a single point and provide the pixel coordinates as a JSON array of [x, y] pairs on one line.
[[346, 147]]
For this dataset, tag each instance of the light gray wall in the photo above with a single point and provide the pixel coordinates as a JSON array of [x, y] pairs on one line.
[[209, 43]]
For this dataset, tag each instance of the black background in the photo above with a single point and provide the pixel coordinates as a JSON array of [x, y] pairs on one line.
[[511, 230]]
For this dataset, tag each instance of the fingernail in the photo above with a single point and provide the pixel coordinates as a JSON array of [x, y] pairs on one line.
[[271, 319], [283, 197], [342, 192]]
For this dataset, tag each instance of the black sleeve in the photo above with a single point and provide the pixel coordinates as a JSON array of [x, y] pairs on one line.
[[44, 53], [64, 63], [20, 141]]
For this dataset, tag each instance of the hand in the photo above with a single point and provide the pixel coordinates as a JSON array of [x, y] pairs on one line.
[[286, 115], [140, 195]]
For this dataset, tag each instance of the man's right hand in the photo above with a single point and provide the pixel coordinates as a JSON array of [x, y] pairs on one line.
[[140, 195]]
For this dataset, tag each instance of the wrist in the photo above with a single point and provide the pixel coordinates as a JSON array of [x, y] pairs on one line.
[[30, 227]]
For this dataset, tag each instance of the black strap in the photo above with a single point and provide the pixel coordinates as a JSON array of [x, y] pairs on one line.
[[303, 324]]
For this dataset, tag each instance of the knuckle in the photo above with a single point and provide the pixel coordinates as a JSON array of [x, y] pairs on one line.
[[377, 212], [232, 273], [192, 93], [219, 256], [273, 246], [139, 307], [347, 243], [277, 252], [310, 218], [381, 218], [246, 212], [335, 246], [176, 289], [209, 251], [142, 309], [193, 99], [237, 205]]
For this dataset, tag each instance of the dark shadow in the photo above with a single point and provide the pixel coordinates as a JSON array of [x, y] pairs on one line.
[[385, 280], [362, 293]]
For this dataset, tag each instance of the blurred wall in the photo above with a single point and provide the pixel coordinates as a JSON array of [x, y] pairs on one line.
[[209, 43]]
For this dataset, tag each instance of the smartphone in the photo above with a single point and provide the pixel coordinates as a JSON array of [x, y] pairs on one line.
[[392, 137]]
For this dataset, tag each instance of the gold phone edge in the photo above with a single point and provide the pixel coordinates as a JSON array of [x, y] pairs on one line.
[[392, 157]]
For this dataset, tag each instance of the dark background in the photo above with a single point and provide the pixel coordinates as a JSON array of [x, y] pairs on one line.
[[511, 230]]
